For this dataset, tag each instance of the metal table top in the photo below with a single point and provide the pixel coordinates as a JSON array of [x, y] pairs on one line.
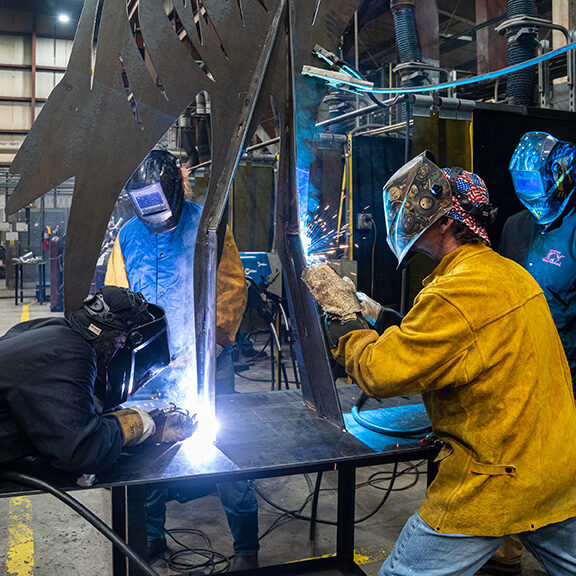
[[260, 434]]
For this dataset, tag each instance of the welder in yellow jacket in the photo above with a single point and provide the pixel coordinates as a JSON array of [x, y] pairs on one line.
[[154, 254], [482, 348]]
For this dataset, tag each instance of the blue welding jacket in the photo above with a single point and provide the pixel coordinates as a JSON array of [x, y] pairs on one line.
[[551, 259], [161, 267]]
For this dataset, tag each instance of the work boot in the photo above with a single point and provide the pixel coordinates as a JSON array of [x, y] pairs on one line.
[[495, 568], [245, 562], [155, 548]]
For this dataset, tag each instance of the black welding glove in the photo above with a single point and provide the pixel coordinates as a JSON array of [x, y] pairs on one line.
[[378, 316], [338, 326], [387, 317]]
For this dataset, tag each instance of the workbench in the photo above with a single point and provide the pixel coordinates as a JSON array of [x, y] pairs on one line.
[[260, 435]]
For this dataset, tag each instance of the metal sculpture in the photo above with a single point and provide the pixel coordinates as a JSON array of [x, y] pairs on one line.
[[112, 106]]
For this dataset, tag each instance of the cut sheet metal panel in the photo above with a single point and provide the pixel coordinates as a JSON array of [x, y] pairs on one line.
[[89, 129], [230, 122], [297, 100]]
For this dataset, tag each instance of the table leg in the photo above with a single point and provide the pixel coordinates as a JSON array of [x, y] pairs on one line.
[[346, 511], [119, 526]]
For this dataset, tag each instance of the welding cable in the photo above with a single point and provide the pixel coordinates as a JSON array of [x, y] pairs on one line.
[[375, 228], [384, 105], [398, 432], [296, 514], [26, 480], [176, 560], [376, 478], [461, 82]]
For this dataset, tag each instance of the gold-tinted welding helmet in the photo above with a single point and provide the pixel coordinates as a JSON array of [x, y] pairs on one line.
[[415, 197]]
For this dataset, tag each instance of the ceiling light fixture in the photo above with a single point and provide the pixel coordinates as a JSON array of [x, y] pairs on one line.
[[64, 18]]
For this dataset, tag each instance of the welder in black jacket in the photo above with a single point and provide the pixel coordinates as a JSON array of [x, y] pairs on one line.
[[61, 377]]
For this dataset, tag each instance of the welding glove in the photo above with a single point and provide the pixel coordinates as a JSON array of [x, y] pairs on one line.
[[173, 424], [378, 316], [336, 297], [137, 425], [337, 326]]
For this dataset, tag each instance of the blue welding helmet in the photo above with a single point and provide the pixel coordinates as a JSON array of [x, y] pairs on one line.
[[156, 191], [543, 172]]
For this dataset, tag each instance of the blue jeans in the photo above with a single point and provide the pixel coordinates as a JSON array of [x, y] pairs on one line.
[[240, 506], [238, 498], [421, 550]]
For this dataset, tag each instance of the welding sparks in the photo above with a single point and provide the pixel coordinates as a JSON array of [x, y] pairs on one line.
[[321, 236]]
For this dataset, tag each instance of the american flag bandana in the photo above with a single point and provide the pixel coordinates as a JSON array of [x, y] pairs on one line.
[[473, 187]]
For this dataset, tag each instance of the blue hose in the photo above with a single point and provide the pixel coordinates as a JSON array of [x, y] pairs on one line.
[[404, 433]]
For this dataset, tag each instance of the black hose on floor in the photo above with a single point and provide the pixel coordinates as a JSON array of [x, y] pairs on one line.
[[26, 480]]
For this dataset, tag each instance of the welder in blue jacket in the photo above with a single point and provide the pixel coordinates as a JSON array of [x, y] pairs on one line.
[[154, 254], [542, 239]]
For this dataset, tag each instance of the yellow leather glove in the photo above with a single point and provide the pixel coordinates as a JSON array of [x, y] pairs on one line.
[[136, 424]]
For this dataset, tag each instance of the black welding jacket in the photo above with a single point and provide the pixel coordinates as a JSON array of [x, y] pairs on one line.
[[46, 399]]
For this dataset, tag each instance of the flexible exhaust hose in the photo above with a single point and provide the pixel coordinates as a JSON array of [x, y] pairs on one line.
[[520, 86], [405, 30]]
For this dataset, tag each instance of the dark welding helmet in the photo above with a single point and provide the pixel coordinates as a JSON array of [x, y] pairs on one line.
[[543, 172], [415, 197], [156, 191], [145, 352]]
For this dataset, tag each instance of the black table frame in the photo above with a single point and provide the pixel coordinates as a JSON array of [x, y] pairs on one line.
[[240, 457], [129, 514]]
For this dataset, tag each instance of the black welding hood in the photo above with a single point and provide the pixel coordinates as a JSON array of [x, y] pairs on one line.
[[156, 191], [146, 351]]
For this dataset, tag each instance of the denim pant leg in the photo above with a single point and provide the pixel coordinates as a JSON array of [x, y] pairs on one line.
[[241, 507], [554, 546], [225, 371], [156, 504], [420, 550], [155, 513]]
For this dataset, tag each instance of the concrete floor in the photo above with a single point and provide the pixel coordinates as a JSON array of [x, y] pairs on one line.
[[39, 536]]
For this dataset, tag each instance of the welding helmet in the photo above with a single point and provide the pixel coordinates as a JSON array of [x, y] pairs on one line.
[[145, 351], [156, 191], [415, 197], [543, 172]]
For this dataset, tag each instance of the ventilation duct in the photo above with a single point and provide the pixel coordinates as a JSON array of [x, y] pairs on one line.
[[521, 47], [407, 41]]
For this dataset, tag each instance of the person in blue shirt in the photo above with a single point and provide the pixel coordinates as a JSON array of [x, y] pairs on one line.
[[154, 254]]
